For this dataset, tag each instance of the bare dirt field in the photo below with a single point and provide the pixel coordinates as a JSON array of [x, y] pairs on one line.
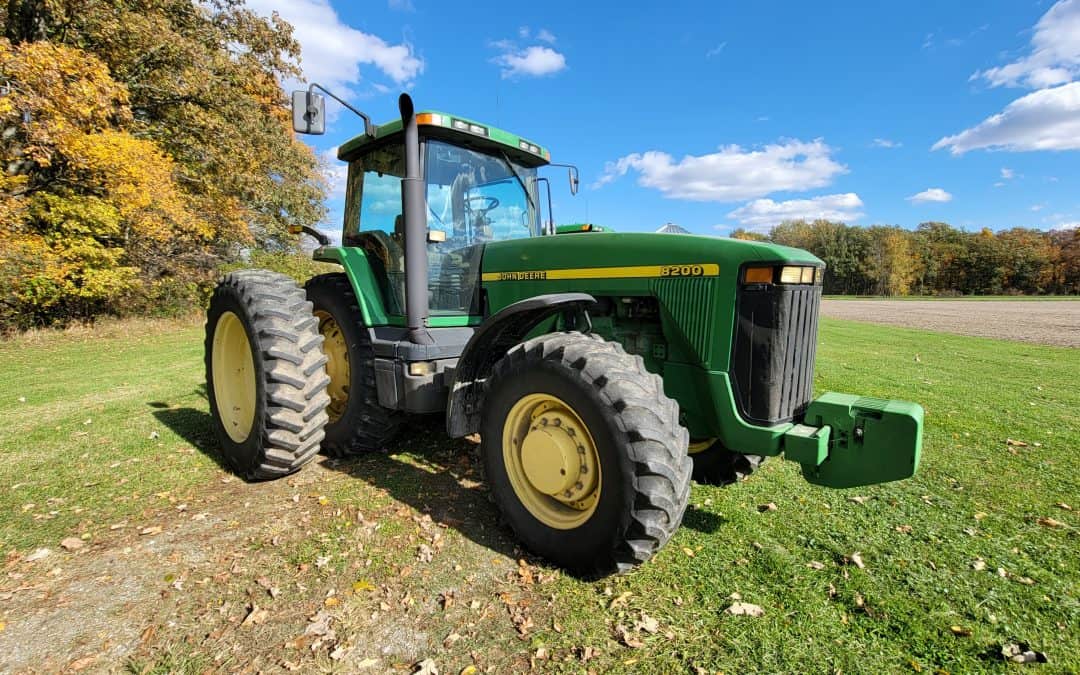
[[1050, 322]]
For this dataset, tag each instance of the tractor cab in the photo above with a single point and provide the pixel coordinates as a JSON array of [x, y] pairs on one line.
[[475, 191]]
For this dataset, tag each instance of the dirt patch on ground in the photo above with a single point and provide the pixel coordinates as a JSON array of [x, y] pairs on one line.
[[368, 564], [1049, 322]]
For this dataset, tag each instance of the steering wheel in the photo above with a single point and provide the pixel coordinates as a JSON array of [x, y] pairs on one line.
[[487, 203]]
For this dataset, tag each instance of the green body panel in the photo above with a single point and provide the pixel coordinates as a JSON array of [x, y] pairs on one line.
[[362, 277], [690, 344], [870, 441]]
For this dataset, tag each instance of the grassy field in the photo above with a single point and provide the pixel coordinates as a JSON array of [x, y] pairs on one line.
[[987, 298], [105, 434]]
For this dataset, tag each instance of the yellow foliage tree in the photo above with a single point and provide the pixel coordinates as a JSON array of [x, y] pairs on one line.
[[88, 211]]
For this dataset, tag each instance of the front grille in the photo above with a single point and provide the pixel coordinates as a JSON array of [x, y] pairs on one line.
[[772, 359]]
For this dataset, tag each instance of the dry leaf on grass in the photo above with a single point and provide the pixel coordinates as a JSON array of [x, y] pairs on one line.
[[1046, 521], [859, 499], [38, 555], [856, 560], [1015, 443], [745, 609], [255, 616], [153, 529], [767, 507], [903, 529], [627, 638], [426, 667], [647, 624], [960, 631], [978, 565], [72, 544], [815, 565]]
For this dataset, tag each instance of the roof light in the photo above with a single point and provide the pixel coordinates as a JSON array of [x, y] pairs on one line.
[[477, 129], [458, 124]]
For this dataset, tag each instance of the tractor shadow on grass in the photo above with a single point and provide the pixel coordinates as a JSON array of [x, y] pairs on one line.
[[437, 476], [194, 425], [422, 468]]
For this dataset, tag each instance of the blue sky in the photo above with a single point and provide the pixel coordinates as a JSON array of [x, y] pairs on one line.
[[723, 115]]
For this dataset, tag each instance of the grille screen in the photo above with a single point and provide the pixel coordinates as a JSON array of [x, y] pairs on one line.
[[773, 353]]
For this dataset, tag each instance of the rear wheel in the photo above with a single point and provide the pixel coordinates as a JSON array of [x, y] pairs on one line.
[[714, 464], [265, 374], [583, 453], [357, 421]]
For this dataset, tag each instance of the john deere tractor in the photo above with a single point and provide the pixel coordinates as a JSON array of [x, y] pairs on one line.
[[601, 370]]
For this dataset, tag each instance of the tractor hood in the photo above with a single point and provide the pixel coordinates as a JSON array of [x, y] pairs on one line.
[[594, 250]]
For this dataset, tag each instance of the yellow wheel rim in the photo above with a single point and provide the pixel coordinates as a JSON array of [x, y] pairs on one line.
[[700, 446], [551, 461], [233, 370], [337, 367]]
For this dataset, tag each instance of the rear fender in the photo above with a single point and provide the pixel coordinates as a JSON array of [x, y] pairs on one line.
[[492, 340]]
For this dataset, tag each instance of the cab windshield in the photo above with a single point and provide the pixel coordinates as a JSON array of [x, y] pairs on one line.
[[472, 198]]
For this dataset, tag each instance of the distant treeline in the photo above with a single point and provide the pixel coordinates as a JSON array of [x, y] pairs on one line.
[[936, 258]]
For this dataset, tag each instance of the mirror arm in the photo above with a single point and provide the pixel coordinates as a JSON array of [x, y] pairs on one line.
[[572, 171], [369, 128]]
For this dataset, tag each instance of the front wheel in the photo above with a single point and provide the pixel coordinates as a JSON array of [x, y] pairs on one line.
[[584, 453]]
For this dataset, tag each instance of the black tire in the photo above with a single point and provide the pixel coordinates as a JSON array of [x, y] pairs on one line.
[[359, 423], [289, 374], [644, 466], [719, 466]]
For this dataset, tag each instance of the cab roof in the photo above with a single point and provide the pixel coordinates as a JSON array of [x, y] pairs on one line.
[[456, 129]]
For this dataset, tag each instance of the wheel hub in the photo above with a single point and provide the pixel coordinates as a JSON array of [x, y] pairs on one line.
[[551, 460], [233, 369], [337, 364]]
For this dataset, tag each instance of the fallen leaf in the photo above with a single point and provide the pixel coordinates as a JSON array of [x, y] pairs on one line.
[[366, 663], [647, 624], [980, 515], [745, 609], [362, 585], [426, 667], [621, 600], [1027, 581], [38, 555], [469, 670], [72, 544], [339, 653], [154, 435], [978, 565], [767, 507], [322, 561], [856, 559], [859, 499], [1063, 506], [80, 664], [255, 616], [815, 565], [960, 631], [903, 529], [1046, 521], [1015, 443], [627, 638], [688, 551], [153, 529], [332, 601], [450, 640]]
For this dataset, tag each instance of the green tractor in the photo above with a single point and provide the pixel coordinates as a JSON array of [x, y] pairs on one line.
[[601, 370]]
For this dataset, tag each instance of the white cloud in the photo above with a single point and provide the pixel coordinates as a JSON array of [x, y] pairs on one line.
[[544, 35], [930, 195], [1055, 52], [885, 143], [332, 51], [732, 174], [1007, 173], [765, 213], [1066, 226], [1048, 119], [1035, 208], [402, 5], [335, 172], [715, 51], [534, 61]]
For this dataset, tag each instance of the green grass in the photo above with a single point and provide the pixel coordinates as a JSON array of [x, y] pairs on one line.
[[1020, 298], [974, 498]]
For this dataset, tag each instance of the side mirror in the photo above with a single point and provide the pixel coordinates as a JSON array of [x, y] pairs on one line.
[[574, 182], [308, 112]]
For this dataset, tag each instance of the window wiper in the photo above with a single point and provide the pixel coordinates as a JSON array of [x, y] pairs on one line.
[[509, 165]]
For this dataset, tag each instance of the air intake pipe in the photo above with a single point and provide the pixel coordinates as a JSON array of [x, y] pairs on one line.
[[412, 210]]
